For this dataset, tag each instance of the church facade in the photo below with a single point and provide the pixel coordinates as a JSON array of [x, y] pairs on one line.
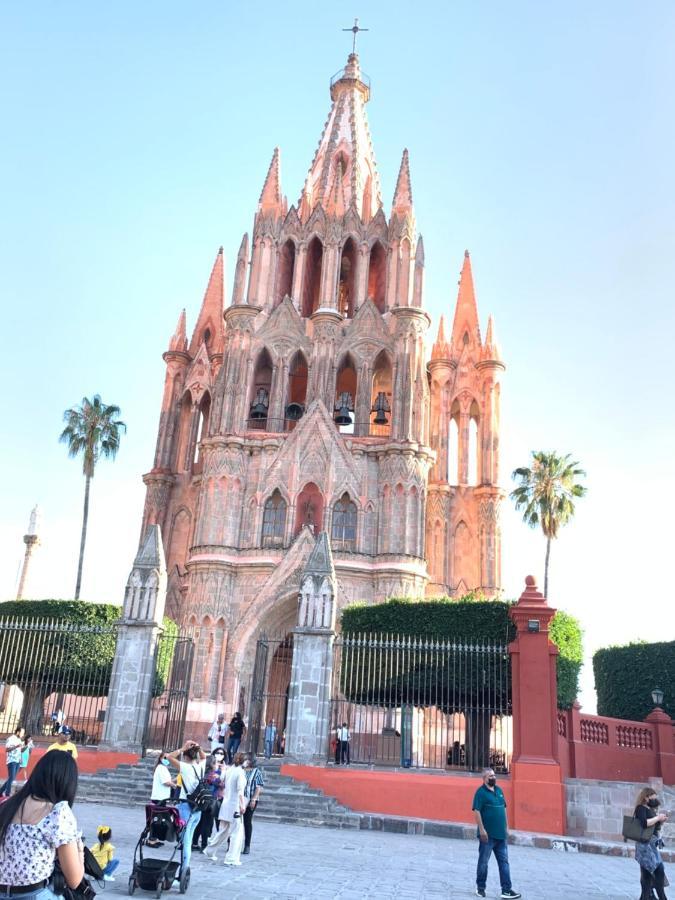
[[309, 403]]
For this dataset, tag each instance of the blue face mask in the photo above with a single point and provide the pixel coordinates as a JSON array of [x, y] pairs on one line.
[[165, 762]]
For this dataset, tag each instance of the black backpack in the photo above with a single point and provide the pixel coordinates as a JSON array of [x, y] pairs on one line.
[[201, 798]]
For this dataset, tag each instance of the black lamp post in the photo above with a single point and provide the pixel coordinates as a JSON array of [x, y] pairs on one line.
[[657, 696]]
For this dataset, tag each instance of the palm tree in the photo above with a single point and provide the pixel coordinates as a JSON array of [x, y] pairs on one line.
[[546, 494], [92, 429]]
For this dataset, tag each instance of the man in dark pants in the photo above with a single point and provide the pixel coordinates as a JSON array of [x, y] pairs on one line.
[[489, 808], [254, 785]]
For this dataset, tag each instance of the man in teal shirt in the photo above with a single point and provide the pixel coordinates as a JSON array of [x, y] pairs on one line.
[[489, 808]]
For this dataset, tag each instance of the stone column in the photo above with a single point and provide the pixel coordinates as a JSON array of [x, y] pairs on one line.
[[308, 721], [538, 790], [138, 634]]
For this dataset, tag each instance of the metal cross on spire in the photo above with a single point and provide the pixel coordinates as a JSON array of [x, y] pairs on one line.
[[355, 30]]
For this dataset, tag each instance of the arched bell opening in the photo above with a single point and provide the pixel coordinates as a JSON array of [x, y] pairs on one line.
[[381, 395], [473, 448], [184, 428], [309, 509], [297, 390], [202, 432], [347, 281], [311, 292], [345, 395], [261, 388], [285, 270], [377, 275], [453, 445]]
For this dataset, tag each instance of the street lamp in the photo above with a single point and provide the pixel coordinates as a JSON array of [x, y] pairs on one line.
[[657, 696]]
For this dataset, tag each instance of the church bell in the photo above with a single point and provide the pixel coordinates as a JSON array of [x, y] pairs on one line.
[[260, 405], [343, 408], [295, 411], [380, 408]]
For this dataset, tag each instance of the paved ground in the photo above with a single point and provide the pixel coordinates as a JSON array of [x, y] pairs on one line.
[[289, 861]]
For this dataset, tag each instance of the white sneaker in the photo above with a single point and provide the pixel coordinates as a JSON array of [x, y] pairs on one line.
[[229, 862], [108, 877], [208, 855]]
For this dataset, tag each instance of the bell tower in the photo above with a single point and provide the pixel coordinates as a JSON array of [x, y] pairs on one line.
[[463, 532]]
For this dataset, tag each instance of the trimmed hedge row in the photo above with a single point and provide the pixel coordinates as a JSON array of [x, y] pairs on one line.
[[626, 676], [469, 620]]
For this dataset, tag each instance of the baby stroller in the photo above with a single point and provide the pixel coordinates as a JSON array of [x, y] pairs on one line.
[[162, 823]]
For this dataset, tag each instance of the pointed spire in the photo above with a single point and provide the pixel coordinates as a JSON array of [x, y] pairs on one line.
[[465, 328], [345, 138], [320, 561], [270, 197], [210, 327], [441, 348], [179, 340], [491, 346], [403, 202], [239, 286]]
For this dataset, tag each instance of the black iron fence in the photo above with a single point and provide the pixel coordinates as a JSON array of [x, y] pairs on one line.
[[174, 661], [55, 673], [421, 702]]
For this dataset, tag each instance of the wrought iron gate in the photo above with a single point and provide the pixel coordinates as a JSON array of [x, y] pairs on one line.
[[269, 689], [422, 702], [174, 659]]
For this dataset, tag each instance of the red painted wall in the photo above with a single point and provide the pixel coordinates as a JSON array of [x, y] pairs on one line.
[[89, 761], [416, 795]]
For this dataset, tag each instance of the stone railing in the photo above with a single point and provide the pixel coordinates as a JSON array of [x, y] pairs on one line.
[[616, 749]]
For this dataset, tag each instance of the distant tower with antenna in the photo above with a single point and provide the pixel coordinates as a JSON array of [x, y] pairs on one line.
[[31, 540]]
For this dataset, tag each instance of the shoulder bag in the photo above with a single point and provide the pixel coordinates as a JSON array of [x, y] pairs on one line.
[[633, 831]]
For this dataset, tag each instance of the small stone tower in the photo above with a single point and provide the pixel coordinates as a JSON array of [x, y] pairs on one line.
[[32, 540]]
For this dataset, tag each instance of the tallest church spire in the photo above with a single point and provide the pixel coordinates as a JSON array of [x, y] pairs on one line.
[[345, 150]]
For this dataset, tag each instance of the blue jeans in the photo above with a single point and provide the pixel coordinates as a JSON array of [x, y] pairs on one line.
[[40, 894], [485, 849], [111, 866], [232, 747], [192, 817], [269, 745], [12, 771]]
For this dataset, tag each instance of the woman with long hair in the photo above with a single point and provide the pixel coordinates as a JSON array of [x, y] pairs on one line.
[[652, 873], [37, 826]]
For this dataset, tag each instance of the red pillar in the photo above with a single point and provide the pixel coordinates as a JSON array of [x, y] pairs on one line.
[[538, 791], [665, 743]]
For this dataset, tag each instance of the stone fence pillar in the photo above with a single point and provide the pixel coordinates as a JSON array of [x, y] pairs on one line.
[[312, 669], [538, 790], [138, 633]]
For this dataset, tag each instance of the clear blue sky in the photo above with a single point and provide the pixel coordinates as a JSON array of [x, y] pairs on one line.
[[135, 139]]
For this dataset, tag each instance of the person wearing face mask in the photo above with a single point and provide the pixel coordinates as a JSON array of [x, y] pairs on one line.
[[652, 873], [489, 808]]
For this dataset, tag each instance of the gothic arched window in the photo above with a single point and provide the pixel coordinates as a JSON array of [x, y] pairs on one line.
[[343, 532], [274, 521]]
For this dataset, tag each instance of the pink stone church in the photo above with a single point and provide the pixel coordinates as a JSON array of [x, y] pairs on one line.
[[309, 402]]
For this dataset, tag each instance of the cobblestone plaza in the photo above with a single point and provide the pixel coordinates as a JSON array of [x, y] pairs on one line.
[[289, 861]]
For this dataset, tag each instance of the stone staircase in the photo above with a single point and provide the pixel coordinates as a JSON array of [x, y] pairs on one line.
[[283, 799]]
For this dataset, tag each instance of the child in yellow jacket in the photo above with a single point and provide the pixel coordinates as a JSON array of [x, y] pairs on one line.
[[104, 852]]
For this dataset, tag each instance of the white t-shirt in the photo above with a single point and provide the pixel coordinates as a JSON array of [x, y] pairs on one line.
[[190, 773], [217, 734], [161, 783], [343, 734], [13, 746]]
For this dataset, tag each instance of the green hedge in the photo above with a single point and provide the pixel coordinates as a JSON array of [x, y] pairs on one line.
[[468, 620], [626, 676]]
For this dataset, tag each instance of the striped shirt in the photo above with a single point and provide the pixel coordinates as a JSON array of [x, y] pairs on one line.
[[254, 780]]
